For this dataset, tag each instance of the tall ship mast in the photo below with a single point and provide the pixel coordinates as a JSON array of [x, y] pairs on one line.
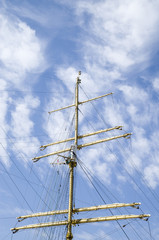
[[71, 161]]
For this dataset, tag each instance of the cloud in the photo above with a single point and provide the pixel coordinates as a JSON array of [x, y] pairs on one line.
[[134, 93], [21, 51], [13, 211], [3, 122], [47, 16], [156, 84], [23, 126], [88, 236], [84, 235], [21, 55], [136, 105], [93, 160], [119, 35], [151, 175], [68, 75], [21, 123]]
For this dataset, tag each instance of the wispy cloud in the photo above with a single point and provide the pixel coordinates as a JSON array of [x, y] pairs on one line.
[[119, 33], [21, 55], [151, 175], [21, 52], [22, 126]]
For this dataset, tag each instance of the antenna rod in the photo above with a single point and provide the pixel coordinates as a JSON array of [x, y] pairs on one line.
[[76, 110]]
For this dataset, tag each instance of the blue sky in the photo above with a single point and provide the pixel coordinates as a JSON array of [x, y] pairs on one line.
[[43, 46]]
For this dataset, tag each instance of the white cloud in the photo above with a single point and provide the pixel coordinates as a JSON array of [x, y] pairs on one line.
[[151, 175], [22, 125], [156, 84], [3, 123], [134, 94], [13, 211], [68, 76], [88, 236], [94, 161], [59, 123], [21, 50], [21, 54], [136, 105], [46, 16], [121, 33], [114, 116], [140, 149], [84, 235]]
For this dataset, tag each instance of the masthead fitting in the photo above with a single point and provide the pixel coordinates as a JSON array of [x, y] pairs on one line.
[[78, 80]]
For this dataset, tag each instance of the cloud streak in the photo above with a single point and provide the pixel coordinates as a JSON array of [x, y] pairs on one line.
[[21, 56]]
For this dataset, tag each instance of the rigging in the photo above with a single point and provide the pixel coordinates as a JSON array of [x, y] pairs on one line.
[[72, 162]]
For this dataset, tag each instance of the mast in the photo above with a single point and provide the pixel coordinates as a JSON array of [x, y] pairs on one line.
[[72, 163]]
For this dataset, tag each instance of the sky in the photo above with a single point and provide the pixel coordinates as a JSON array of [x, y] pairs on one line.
[[43, 45]]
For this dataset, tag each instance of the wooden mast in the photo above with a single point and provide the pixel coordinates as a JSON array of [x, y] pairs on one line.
[[73, 163]]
